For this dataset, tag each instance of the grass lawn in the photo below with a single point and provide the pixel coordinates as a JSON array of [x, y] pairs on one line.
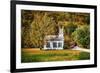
[[37, 55]]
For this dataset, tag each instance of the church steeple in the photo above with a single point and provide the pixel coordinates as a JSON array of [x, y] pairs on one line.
[[61, 32]]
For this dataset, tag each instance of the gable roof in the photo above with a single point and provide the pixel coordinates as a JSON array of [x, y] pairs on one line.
[[53, 38]]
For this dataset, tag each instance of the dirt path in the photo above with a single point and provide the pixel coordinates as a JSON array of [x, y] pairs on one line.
[[81, 49]]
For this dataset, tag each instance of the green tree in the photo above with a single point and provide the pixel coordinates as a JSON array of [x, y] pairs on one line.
[[82, 36]]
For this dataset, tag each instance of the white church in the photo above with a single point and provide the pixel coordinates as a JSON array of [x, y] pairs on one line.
[[55, 42]]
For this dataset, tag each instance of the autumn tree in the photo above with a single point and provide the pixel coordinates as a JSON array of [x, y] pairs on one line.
[[26, 19], [35, 25], [41, 26]]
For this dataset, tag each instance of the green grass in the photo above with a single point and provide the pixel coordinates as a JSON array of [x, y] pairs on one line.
[[53, 55], [84, 56], [42, 57]]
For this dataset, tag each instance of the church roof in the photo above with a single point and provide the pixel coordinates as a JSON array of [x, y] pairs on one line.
[[53, 38]]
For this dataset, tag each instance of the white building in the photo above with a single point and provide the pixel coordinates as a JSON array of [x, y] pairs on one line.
[[54, 41]]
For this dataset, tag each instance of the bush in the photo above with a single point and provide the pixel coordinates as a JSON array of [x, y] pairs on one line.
[[66, 46], [82, 36], [67, 41]]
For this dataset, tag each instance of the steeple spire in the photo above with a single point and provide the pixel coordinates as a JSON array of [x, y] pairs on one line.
[[60, 32]]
